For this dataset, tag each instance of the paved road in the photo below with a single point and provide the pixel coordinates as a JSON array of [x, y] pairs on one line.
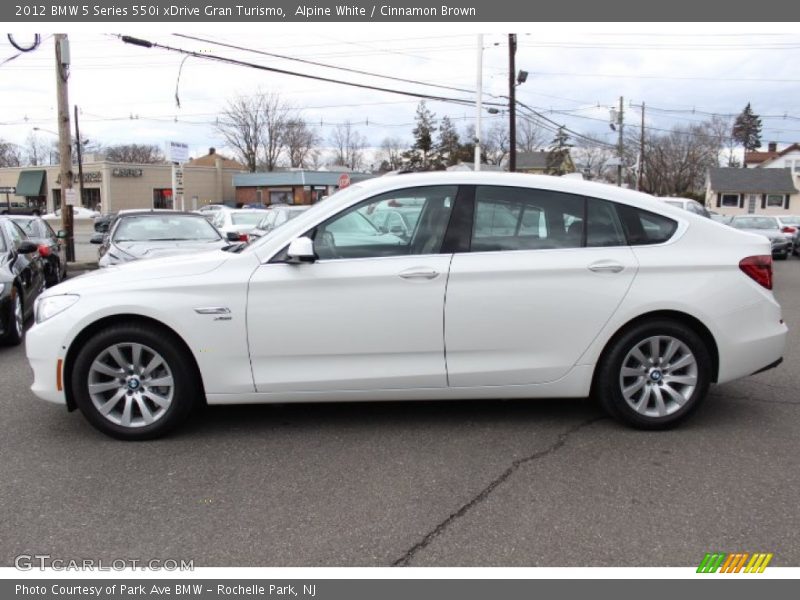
[[543, 483]]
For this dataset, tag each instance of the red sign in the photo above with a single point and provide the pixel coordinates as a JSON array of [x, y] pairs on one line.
[[344, 180]]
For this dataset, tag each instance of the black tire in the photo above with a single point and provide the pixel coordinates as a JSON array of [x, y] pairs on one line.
[[187, 389], [608, 380], [13, 335]]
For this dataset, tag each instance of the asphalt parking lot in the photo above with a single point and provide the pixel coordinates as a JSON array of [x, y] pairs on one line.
[[537, 483]]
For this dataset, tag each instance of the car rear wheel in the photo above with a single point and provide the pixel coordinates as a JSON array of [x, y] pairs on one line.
[[654, 375], [134, 382]]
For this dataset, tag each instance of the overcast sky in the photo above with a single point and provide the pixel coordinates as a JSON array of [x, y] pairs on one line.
[[576, 73]]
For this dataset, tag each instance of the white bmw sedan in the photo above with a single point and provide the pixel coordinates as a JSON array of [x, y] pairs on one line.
[[508, 286]]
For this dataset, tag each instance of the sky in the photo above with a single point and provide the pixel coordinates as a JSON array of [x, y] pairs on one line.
[[126, 94]]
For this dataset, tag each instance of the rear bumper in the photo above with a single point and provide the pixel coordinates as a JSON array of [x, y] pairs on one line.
[[771, 365]]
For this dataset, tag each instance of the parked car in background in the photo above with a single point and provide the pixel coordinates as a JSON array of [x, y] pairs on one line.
[[770, 228], [136, 235], [102, 222], [52, 251], [239, 221], [21, 280], [724, 219], [790, 225], [209, 210], [78, 212], [459, 310], [693, 206], [277, 216], [18, 207]]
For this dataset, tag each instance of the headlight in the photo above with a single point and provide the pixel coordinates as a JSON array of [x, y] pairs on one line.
[[50, 306]]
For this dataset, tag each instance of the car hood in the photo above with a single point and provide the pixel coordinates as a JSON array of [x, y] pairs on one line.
[[170, 267], [156, 249]]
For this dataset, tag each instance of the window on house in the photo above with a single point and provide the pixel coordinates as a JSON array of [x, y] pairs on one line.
[[775, 200], [730, 200]]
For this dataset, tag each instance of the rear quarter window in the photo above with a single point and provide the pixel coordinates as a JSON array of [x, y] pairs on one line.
[[643, 227]]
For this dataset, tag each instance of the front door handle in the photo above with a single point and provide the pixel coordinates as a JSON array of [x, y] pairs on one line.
[[606, 267], [419, 273]]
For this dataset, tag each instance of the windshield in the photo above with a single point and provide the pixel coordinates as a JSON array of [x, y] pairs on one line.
[[791, 220], [142, 228], [674, 203], [755, 223], [31, 227], [247, 218]]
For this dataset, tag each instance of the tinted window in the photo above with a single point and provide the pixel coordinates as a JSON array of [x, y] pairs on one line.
[[604, 226], [353, 234], [643, 227], [508, 218]]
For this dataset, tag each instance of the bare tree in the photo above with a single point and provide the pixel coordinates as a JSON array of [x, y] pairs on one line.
[[276, 114], [242, 127], [301, 143], [10, 155], [135, 153], [390, 154], [721, 129], [495, 143], [530, 137], [38, 151], [592, 159], [348, 146]]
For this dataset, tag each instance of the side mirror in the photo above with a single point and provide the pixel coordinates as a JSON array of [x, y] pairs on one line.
[[233, 236], [62, 234], [27, 247], [97, 238], [301, 250]]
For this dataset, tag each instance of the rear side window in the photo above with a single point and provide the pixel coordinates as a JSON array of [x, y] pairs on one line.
[[643, 227]]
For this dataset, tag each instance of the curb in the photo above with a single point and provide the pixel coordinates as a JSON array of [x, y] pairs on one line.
[[72, 267]]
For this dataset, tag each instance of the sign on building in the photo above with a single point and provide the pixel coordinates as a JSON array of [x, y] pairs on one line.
[[177, 186]]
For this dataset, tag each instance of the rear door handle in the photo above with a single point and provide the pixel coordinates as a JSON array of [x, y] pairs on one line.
[[606, 267], [419, 273]]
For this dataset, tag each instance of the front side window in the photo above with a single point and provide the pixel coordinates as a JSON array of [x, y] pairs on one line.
[[364, 231]]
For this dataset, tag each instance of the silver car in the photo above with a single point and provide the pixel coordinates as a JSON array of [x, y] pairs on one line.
[[790, 225], [769, 227]]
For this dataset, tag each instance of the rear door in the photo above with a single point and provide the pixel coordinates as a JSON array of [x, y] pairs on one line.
[[535, 287]]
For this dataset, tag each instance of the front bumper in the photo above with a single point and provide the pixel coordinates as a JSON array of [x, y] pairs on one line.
[[47, 358]]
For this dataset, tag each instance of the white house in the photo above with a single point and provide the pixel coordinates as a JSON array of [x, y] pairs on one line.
[[771, 191]]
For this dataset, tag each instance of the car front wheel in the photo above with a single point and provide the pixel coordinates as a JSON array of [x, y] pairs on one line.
[[134, 382], [654, 375]]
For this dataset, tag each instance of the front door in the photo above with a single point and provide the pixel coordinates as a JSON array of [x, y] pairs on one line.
[[368, 314]]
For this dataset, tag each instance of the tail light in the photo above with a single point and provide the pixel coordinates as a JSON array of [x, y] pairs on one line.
[[788, 229], [759, 269], [44, 250], [243, 237]]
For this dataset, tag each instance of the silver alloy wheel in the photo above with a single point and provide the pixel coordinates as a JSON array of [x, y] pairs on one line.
[[658, 376], [131, 384], [19, 318]]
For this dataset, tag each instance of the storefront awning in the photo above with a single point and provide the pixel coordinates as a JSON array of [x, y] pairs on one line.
[[30, 183]]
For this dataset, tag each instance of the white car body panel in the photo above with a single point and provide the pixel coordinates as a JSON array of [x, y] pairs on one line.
[[300, 321]]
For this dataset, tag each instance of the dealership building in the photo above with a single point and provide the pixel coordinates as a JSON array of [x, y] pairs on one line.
[[297, 186], [113, 186]]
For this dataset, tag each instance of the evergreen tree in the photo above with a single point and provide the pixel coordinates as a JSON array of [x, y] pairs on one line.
[[449, 144], [421, 156], [747, 129], [558, 152]]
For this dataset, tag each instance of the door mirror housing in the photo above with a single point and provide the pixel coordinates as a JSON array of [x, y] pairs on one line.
[[97, 238], [301, 250], [233, 236], [62, 234], [27, 247]]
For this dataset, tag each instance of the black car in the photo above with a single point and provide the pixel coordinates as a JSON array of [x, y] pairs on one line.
[[142, 234], [21, 278], [51, 249]]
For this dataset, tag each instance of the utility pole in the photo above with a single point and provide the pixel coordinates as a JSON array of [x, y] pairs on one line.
[[640, 175], [512, 102], [80, 157], [479, 104], [64, 142], [620, 146]]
